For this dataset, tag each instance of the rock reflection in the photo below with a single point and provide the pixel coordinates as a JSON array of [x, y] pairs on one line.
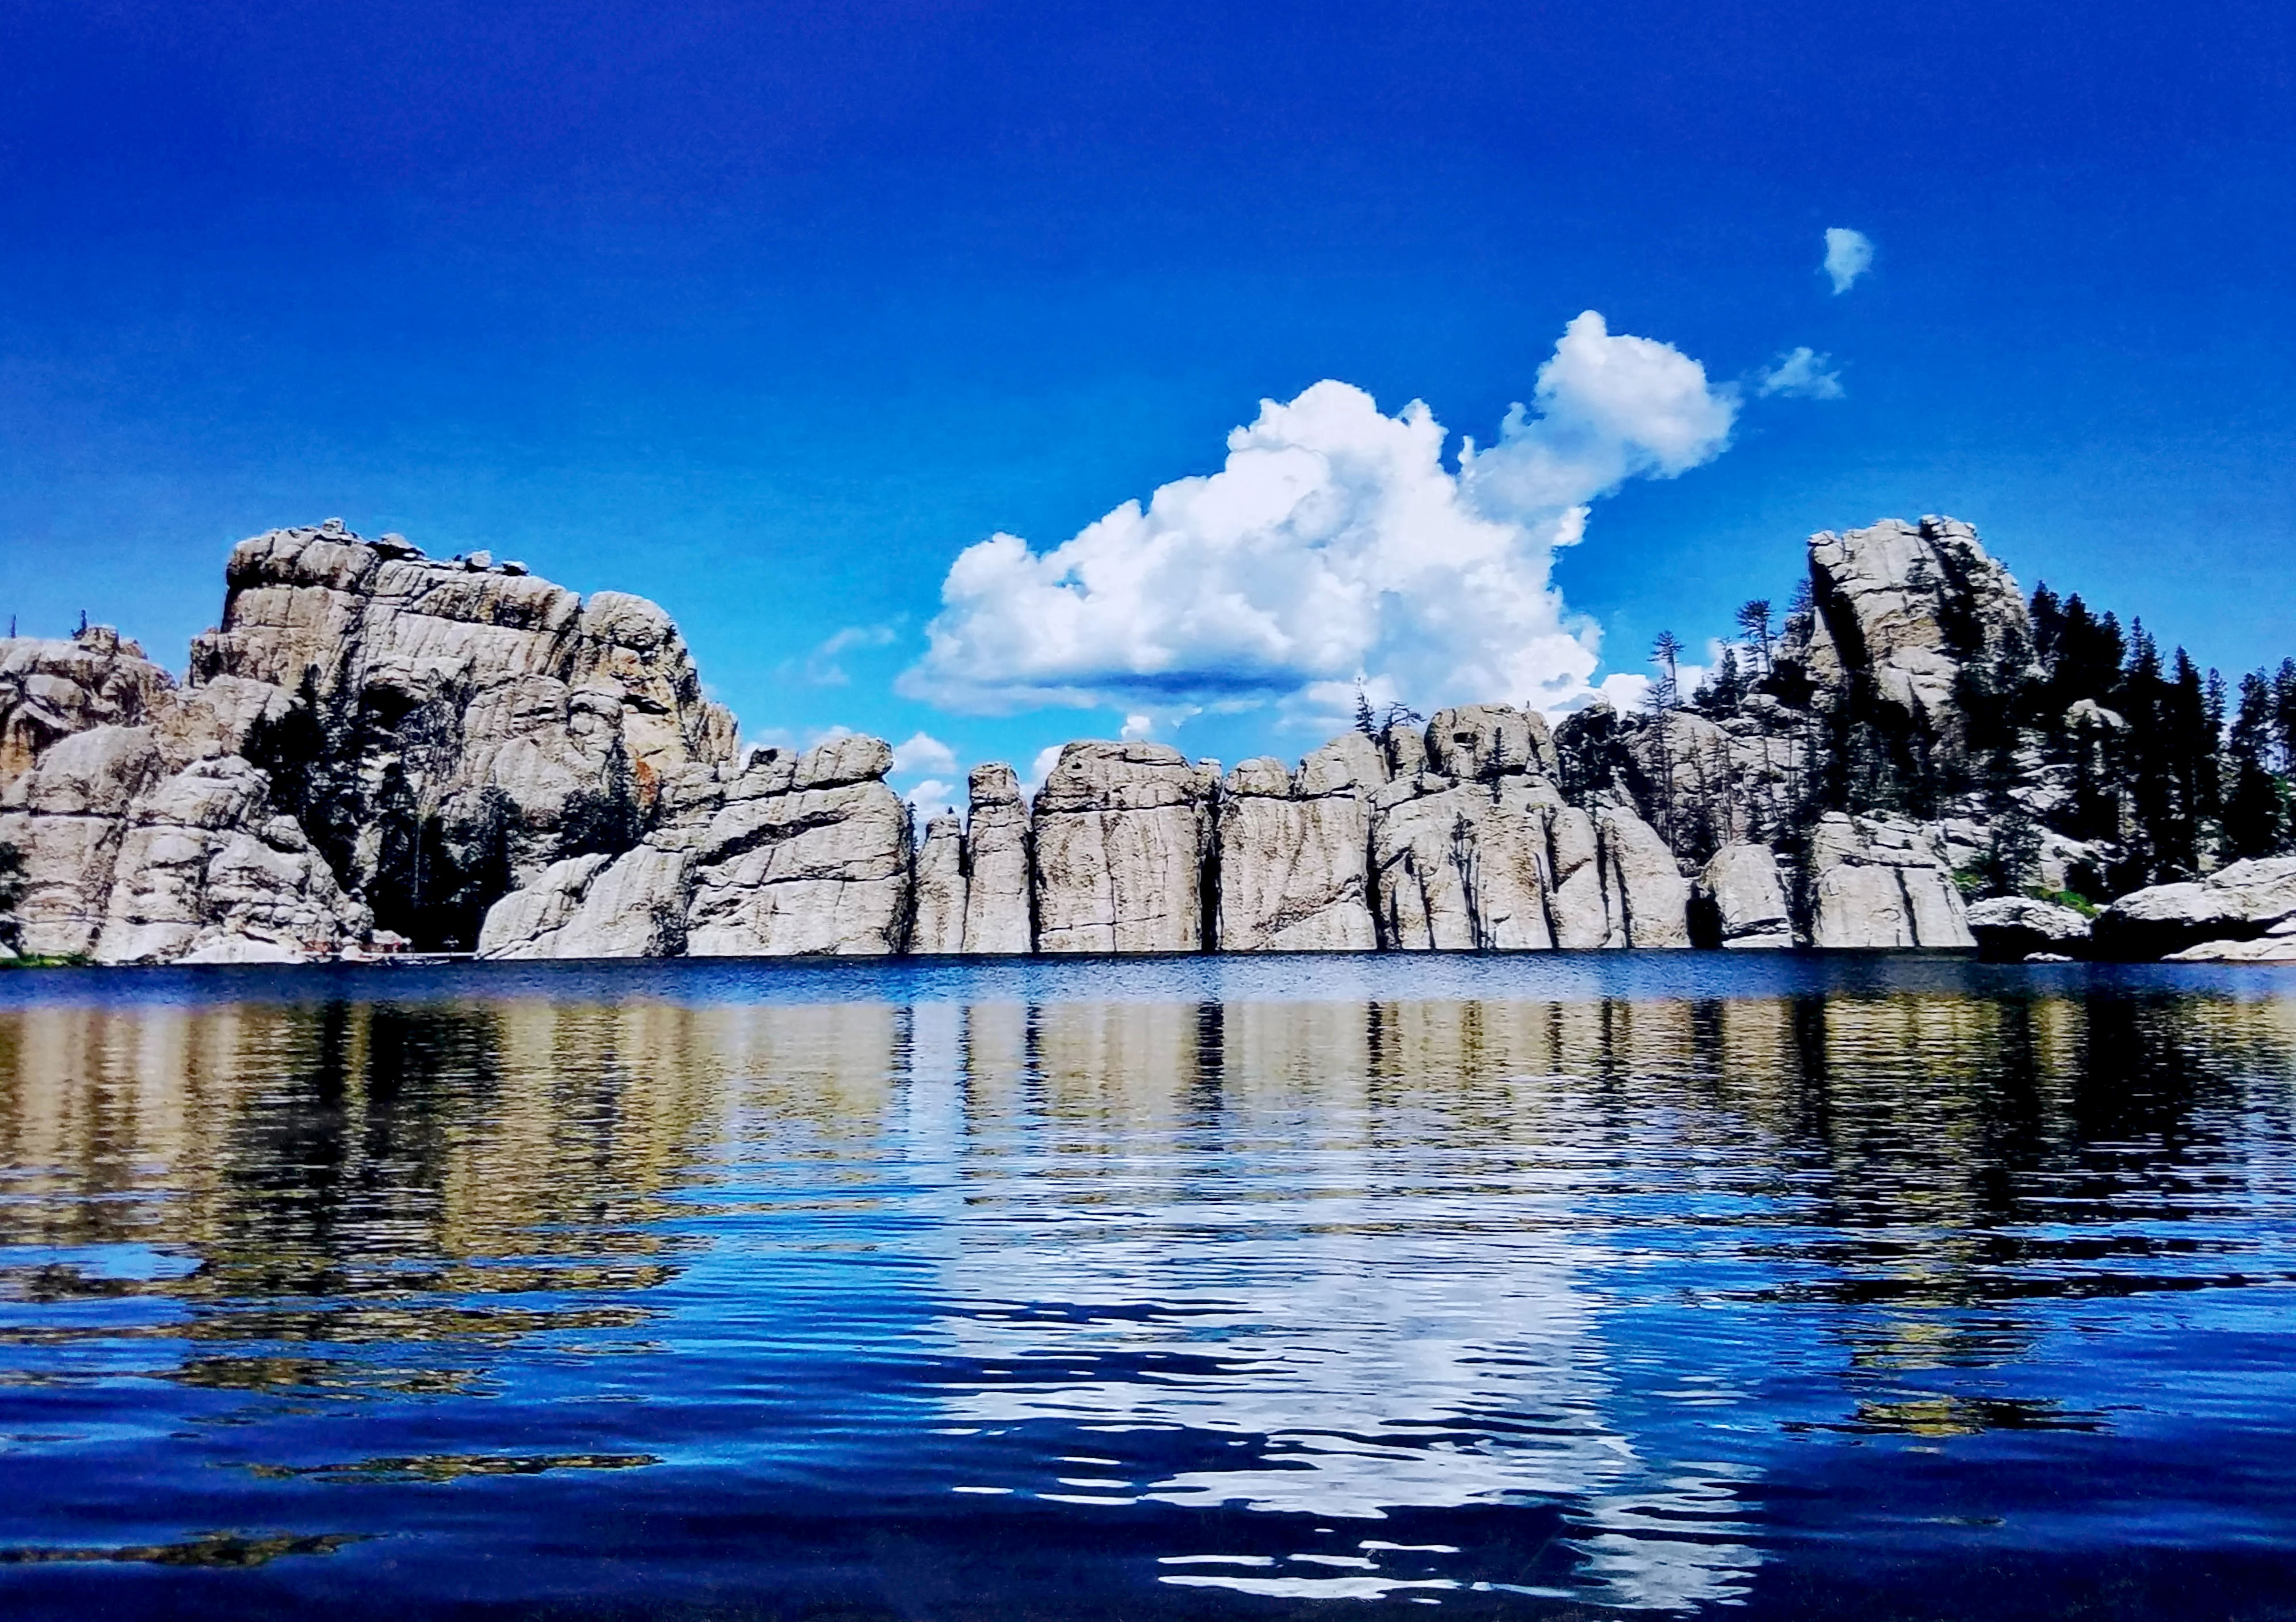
[[1398, 1258]]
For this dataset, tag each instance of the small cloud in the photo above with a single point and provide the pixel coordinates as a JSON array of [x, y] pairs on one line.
[[1047, 757], [1801, 374], [932, 797], [1849, 255], [923, 752], [1137, 727], [820, 668], [1627, 690]]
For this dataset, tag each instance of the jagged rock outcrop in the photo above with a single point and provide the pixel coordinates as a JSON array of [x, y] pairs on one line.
[[54, 688], [463, 753], [431, 732], [1122, 834], [595, 906], [450, 715], [1292, 851], [1903, 609], [806, 857], [2212, 919], [999, 918], [1879, 884], [938, 928], [1501, 862], [2010, 929], [66, 816], [1744, 897]]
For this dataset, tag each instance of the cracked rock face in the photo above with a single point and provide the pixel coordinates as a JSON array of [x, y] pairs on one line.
[[1508, 866], [206, 874], [53, 688], [67, 817], [1122, 832], [999, 899], [939, 927], [1743, 886], [631, 905], [806, 871], [1912, 606], [1293, 851], [1879, 884]]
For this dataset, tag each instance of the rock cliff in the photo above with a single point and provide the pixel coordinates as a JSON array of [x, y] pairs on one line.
[[376, 743]]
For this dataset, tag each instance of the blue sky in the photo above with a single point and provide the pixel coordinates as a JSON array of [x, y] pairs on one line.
[[770, 313]]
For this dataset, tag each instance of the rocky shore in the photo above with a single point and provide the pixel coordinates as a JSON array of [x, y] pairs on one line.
[[377, 749]]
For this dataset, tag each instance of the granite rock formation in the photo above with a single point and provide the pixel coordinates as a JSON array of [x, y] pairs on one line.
[[2010, 929], [463, 754], [1123, 832], [2242, 912], [1744, 895], [999, 860], [1879, 883], [1293, 849]]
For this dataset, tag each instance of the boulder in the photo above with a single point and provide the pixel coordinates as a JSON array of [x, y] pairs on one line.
[[2241, 902], [2011, 928], [1122, 834], [1652, 896], [1744, 898], [1292, 852], [2277, 949], [998, 865], [938, 926]]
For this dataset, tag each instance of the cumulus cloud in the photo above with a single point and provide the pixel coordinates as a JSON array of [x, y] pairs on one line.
[[932, 797], [1334, 546], [1849, 255], [924, 752], [821, 668], [1803, 373]]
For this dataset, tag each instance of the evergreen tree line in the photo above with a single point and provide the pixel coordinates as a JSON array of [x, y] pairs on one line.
[[2175, 766]]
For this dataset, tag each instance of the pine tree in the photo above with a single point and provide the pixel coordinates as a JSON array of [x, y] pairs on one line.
[[1754, 624], [2254, 820], [1365, 722]]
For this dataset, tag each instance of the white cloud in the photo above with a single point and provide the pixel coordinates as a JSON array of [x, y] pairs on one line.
[[1803, 373], [932, 797], [820, 668], [1041, 767], [1333, 544], [923, 752], [1849, 255]]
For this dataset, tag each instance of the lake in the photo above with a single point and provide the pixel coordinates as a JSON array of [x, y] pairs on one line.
[[1562, 1285]]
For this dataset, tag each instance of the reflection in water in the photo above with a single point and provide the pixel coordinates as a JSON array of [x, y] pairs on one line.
[[1441, 1298]]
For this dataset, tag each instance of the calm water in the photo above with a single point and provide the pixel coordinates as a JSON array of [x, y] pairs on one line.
[[1558, 1286]]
